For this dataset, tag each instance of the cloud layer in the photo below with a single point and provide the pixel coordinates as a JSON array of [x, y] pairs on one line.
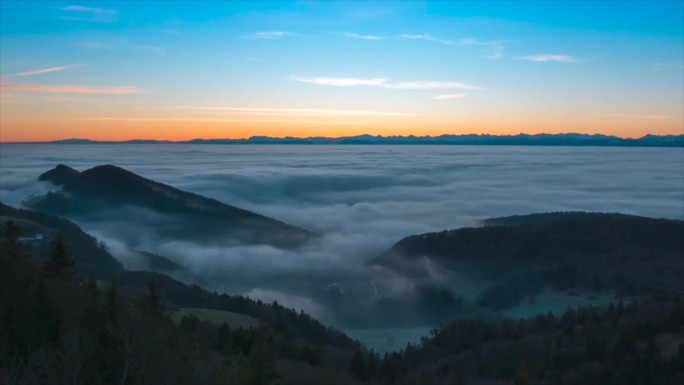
[[361, 198]]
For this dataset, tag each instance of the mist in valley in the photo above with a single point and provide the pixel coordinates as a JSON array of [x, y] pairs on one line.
[[359, 200]]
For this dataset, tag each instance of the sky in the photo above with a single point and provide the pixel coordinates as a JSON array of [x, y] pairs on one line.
[[181, 70]]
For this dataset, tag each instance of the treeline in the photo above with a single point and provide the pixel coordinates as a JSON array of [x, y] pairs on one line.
[[636, 343], [573, 251], [93, 260], [59, 328]]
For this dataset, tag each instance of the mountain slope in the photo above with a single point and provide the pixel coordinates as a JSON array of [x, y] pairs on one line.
[[101, 192], [566, 251], [94, 261], [92, 258]]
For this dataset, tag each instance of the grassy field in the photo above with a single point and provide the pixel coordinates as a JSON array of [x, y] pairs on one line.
[[234, 320]]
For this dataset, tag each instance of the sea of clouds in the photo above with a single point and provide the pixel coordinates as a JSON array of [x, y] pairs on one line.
[[361, 198]]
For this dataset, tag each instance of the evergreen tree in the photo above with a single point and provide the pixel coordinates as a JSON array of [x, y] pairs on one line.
[[60, 263], [262, 360], [189, 323], [358, 366], [11, 245], [522, 375], [153, 300], [372, 365]]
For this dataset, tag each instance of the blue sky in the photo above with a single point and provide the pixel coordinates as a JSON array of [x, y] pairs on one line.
[[118, 70]]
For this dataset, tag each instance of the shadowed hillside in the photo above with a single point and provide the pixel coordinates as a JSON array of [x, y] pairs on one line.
[[102, 192], [573, 248]]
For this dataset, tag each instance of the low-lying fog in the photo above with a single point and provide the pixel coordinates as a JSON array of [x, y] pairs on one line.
[[361, 198]]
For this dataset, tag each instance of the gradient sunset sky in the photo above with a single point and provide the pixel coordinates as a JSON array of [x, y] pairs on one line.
[[209, 69]]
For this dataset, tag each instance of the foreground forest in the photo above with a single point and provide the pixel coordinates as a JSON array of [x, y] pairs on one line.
[[59, 327]]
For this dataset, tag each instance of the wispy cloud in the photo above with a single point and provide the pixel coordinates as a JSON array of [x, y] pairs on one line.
[[192, 119], [47, 70], [449, 96], [428, 38], [491, 49], [76, 89], [290, 111], [384, 83], [268, 35], [551, 57], [360, 36], [339, 82], [89, 14]]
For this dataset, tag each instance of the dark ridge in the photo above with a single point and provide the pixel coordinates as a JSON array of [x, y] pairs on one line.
[[59, 175], [638, 253], [92, 257], [545, 218], [108, 187], [160, 263]]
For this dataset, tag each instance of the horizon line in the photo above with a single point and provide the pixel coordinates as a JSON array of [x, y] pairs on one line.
[[246, 140]]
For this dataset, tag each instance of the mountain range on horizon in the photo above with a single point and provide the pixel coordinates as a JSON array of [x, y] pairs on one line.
[[564, 139]]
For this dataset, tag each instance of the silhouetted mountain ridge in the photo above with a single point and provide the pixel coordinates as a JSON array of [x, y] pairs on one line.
[[107, 187], [565, 250], [562, 139], [59, 175]]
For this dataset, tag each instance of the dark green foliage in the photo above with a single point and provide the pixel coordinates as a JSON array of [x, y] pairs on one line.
[[358, 366], [153, 300], [598, 251], [190, 322], [522, 375], [91, 258], [619, 344], [10, 241], [60, 263]]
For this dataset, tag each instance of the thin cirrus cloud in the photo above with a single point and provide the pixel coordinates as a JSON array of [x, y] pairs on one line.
[[428, 38], [268, 35], [551, 58], [493, 49], [195, 119], [339, 82], [449, 96], [289, 111], [360, 36], [47, 70], [75, 89], [383, 83], [82, 13]]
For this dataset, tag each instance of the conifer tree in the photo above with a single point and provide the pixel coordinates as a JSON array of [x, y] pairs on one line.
[[60, 263], [358, 366], [153, 300], [11, 245], [522, 376]]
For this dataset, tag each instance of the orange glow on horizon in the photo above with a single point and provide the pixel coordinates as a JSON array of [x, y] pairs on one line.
[[32, 129]]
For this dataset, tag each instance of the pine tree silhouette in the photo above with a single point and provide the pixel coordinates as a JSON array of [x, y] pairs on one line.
[[60, 263]]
